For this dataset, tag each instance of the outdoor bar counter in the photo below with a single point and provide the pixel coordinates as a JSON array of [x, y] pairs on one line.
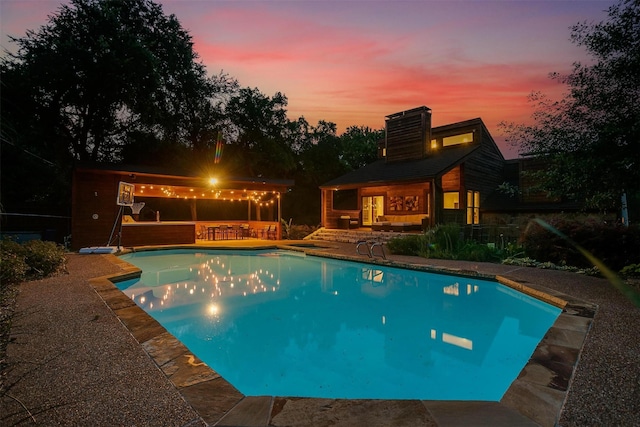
[[158, 233]]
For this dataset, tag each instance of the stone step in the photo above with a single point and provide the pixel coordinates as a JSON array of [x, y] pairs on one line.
[[353, 236]]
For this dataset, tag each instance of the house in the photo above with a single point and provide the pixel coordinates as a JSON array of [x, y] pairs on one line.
[[522, 199], [424, 176]]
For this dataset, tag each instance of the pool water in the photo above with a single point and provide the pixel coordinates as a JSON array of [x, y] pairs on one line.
[[284, 324]]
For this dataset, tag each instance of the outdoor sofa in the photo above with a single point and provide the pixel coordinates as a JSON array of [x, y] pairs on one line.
[[410, 222]]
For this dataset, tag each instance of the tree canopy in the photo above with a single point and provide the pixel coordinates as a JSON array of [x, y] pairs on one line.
[[590, 139], [119, 81], [100, 73]]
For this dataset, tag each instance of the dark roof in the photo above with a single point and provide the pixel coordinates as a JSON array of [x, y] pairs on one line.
[[411, 170], [174, 172]]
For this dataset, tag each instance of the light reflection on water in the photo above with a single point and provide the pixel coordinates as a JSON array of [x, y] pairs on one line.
[[276, 323]]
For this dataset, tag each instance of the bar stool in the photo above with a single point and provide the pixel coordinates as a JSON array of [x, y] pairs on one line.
[[223, 231], [235, 230], [211, 232], [244, 231]]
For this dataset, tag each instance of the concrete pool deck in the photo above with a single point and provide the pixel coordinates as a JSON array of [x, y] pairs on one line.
[[73, 362]]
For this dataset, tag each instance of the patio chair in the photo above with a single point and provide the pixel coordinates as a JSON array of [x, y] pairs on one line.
[[202, 233], [272, 232]]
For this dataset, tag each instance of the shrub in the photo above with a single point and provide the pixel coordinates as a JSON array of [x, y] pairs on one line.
[[409, 245], [447, 240], [528, 262], [295, 232], [34, 259], [43, 258], [632, 270], [472, 251], [13, 268], [615, 246]]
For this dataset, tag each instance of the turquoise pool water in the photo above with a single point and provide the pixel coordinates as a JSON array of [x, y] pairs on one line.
[[281, 323]]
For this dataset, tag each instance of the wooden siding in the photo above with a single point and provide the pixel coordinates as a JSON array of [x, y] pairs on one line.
[[420, 190], [480, 169], [94, 209], [330, 216], [527, 183], [451, 180], [472, 126], [408, 134], [158, 233], [483, 171]]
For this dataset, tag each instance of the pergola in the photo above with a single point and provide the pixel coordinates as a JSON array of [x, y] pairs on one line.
[[257, 193], [95, 188]]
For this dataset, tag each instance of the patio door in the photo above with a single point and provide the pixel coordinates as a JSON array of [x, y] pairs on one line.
[[372, 207]]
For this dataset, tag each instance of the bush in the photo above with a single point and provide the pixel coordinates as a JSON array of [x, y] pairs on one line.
[[615, 246], [34, 259], [445, 242], [632, 270], [43, 258], [292, 231], [13, 268], [528, 262], [472, 251], [413, 244]]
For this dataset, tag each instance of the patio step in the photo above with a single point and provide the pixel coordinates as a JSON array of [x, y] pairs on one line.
[[353, 236]]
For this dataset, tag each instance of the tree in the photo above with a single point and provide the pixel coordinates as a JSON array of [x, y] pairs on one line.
[[360, 145], [257, 135], [101, 68], [193, 144], [590, 139], [104, 80], [318, 162]]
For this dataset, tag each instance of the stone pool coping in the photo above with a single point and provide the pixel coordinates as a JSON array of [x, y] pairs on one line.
[[536, 397]]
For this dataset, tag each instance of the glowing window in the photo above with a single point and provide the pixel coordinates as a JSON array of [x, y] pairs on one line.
[[452, 200], [473, 207], [457, 139]]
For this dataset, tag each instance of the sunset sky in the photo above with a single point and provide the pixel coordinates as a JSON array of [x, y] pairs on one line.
[[354, 62]]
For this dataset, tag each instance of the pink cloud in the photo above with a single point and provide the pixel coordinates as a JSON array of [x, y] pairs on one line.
[[354, 62]]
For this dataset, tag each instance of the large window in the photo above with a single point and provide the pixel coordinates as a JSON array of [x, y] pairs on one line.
[[463, 138], [473, 207], [452, 200], [345, 199]]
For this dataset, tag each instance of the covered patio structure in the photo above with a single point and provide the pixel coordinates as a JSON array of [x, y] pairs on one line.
[[171, 207]]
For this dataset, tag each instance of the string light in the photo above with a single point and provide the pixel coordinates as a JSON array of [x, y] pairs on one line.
[[260, 198]]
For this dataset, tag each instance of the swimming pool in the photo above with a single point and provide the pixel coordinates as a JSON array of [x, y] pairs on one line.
[[281, 323]]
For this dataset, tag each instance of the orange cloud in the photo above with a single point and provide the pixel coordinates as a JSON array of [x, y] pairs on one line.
[[353, 63]]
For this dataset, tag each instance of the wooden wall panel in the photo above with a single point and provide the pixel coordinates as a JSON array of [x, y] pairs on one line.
[[527, 183], [158, 234], [407, 134], [421, 190], [484, 171], [451, 180], [93, 209], [330, 216]]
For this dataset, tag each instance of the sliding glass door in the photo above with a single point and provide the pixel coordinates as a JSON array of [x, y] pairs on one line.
[[372, 207]]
